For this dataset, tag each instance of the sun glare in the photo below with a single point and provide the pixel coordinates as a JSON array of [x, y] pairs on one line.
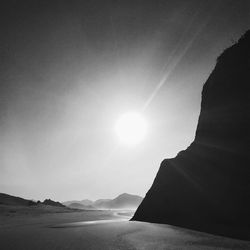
[[131, 128]]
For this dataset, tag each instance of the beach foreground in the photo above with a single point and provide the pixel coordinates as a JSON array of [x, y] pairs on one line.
[[100, 230]]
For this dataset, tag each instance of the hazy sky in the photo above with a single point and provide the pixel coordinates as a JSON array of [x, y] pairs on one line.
[[69, 69]]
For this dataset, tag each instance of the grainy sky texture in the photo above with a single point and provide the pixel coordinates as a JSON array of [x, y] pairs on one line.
[[69, 69]]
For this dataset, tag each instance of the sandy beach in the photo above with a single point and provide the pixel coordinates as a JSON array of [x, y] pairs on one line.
[[111, 230]]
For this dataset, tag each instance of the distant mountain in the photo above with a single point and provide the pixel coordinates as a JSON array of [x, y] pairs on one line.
[[52, 203], [80, 206], [101, 203], [7, 199], [123, 201], [85, 202], [67, 203], [126, 201]]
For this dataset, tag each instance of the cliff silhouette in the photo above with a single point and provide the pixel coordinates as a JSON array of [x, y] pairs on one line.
[[207, 186]]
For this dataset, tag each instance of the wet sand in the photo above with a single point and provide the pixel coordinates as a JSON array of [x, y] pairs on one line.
[[101, 230]]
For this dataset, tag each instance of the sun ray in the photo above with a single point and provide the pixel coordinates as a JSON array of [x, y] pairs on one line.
[[177, 55]]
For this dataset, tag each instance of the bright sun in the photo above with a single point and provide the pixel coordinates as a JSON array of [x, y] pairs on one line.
[[131, 128]]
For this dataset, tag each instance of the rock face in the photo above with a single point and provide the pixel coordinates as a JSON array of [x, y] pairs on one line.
[[207, 186]]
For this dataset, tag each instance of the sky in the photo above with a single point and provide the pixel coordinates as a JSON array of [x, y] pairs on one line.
[[70, 69]]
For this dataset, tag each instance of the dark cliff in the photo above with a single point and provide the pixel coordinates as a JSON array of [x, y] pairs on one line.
[[207, 186]]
